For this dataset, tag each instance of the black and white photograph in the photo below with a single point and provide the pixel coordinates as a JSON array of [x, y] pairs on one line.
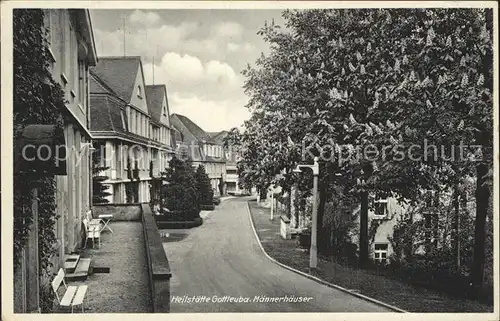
[[330, 159]]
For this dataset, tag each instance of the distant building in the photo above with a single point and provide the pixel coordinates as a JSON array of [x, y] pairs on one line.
[[386, 212], [131, 137], [232, 177], [161, 135], [201, 148]]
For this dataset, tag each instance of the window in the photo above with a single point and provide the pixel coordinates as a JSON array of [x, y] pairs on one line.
[[128, 119], [64, 24], [380, 253], [140, 125], [74, 69], [49, 22], [82, 92], [380, 208], [139, 92], [131, 127], [431, 198], [431, 220], [165, 111], [137, 123], [123, 120]]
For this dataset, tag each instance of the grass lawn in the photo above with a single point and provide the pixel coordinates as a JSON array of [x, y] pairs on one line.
[[382, 288]]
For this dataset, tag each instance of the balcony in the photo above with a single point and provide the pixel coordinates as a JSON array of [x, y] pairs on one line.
[[135, 173], [232, 177], [154, 170], [109, 173]]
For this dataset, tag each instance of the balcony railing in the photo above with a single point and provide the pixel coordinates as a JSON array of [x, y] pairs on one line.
[[154, 171], [109, 173], [232, 177]]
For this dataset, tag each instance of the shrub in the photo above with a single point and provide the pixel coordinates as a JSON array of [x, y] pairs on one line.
[[178, 224], [203, 187], [99, 190], [207, 207], [181, 193]]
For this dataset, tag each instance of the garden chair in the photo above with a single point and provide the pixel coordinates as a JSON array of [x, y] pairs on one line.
[[93, 232], [73, 295], [92, 220]]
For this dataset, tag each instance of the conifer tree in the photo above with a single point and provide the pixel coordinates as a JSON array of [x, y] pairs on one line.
[[181, 194], [205, 192]]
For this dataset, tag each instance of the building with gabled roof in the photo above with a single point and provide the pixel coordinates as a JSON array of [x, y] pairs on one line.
[[202, 150], [132, 135], [161, 134], [232, 177]]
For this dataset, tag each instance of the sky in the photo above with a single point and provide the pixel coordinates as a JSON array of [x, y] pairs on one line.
[[199, 54]]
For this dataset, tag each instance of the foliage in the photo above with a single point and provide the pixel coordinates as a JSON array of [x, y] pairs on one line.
[[47, 298], [232, 139], [340, 220], [337, 81], [38, 99], [99, 190], [204, 189], [181, 192]]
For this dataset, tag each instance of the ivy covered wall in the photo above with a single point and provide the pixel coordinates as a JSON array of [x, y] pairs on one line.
[[38, 99]]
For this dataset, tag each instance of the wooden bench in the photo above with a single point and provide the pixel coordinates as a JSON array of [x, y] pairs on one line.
[[73, 295]]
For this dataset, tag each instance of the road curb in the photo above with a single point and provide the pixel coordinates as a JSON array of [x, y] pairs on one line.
[[331, 285], [211, 211]]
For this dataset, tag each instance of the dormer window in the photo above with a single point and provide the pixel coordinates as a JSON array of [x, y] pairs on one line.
[[139, 92]]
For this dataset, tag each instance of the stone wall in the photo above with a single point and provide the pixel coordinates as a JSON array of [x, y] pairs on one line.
[[159, 268], [121, 212]]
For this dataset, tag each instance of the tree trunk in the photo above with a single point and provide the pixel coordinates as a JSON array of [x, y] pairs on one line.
[[363, 231], [484, 138], [456, 229], [409, 244], [297, 207], [288, 205], [482, 202], [262, 193]]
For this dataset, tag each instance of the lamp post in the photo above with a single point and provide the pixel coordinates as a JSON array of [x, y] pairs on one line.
[[363, 224], [313, 255], [272, 204]]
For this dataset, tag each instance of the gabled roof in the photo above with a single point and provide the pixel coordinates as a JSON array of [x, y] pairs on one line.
[[97, 86], [106, 114], [154, 98], [189, 130], [105, 107], [218, 138], [119, 73]]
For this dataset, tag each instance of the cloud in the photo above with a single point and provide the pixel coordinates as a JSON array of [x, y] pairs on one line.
[[187, 72], [144, 18], [209, 93], [219, 72], [144, 42], [236, 47], [205, 47], [208, 114], [228, 29], [184, 68], [192, 59]]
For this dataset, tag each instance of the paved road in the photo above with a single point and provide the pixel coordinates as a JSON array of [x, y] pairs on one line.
[[222, 259]]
